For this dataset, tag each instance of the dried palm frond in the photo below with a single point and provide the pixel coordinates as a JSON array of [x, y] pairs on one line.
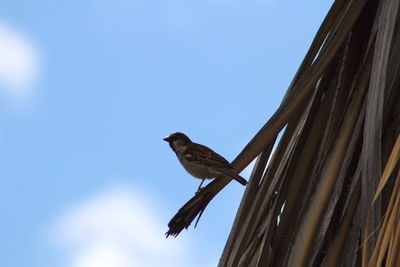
[[321, 199]]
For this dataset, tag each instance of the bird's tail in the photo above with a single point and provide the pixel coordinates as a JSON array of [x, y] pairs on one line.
[[233, 175]]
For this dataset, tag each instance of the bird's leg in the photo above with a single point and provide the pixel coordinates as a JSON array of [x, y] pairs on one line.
[[198, 189]]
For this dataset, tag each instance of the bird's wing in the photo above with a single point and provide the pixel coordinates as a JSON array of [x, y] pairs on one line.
[[204, 155]]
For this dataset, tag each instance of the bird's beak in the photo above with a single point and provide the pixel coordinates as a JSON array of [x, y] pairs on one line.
[[166, 139]]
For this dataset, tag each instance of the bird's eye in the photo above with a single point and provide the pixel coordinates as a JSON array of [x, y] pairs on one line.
[[189, 157]]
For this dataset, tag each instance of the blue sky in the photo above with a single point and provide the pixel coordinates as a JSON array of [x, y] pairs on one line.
[[88, 89]]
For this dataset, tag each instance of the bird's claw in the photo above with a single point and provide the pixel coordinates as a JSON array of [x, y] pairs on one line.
[[198, 190]]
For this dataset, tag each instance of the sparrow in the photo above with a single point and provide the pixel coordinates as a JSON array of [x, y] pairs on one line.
[[201, 161]]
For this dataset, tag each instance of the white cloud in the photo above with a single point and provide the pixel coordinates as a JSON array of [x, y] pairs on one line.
[[19, 62], [119, 227]]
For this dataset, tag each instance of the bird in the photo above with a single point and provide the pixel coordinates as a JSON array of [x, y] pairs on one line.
[[201, 161]]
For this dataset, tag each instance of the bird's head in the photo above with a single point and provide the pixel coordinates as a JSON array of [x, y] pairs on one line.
[[177, 140]]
